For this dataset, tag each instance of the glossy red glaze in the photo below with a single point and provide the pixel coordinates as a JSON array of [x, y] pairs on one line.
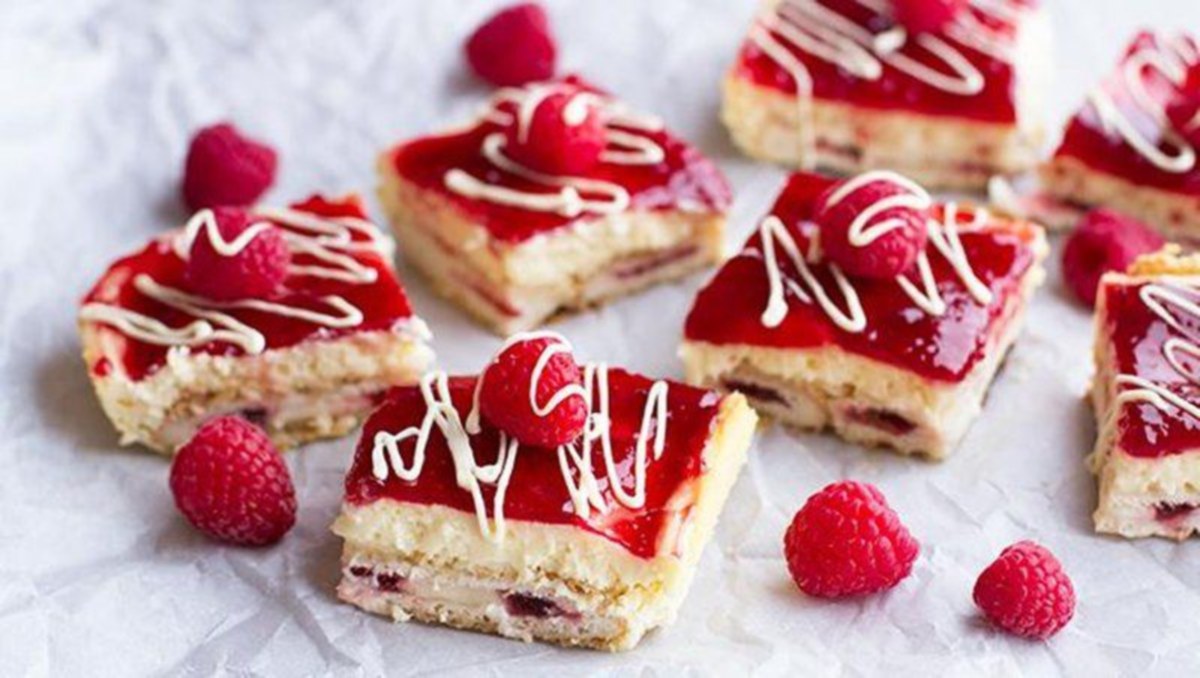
[[894, 90], [536, 492], [383, 303], [684, 176], [1137, 337], [1107, 151], [729, 310]]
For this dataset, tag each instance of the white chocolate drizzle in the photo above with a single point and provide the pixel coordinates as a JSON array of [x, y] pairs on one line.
[[812, 28], [629, 143], [868, 227], [574, 458], [328, 240], [1170, 58], [1157, 297], [211, 322]]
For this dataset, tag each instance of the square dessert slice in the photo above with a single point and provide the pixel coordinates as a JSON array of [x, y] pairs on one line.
[[515, 245], [308, 362], [838, 84], [592, 544], [1122, 151], [1146, 394], [903, 362]]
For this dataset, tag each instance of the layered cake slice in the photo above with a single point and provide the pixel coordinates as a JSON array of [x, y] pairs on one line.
[[449, 519], [291, 317], [558, 197], [1146, 395], [903, 359], [851, 85], [1133, 146]]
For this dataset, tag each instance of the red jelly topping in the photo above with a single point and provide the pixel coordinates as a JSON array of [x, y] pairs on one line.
[[383, 303], [536, 491], [895, 89], [1106, 150], [1137, 336], [729, 310], [684, 176]]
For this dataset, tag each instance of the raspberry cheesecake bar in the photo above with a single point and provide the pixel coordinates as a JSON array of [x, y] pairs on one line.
[[948, 95], [865, 307], [451, 517], [558, 197], [292, 317], [1147, 398], [1133, 146]]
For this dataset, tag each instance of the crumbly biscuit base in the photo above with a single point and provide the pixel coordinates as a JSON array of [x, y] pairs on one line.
[[316, 389], [937, 152], [1175, 215]]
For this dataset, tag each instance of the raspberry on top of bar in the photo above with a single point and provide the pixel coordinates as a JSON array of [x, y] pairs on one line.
[[1131, 127], [628, 478], [642, 167], [339, 281], [854, 51], [937, 320]]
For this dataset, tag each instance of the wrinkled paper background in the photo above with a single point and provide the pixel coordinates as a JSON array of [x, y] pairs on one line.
[[98, 574]]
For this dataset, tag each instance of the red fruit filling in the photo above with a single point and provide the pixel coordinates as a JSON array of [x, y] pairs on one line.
[[927, 16]]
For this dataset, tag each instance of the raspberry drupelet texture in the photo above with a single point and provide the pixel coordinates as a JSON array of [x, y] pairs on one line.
[[1026, 592], [565, 135], [1183, 111], [1104, 241], [232, 269], [847, 541], [884, 257], [223, 167], [231, 484], [514, 47], [926, 16], [505, 397]]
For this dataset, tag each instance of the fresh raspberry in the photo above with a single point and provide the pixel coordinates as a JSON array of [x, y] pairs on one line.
[[927, 16], [231, 484], [1104, 241], [255, 271], [1183, 110], [565, 134], [885, 257], [514, 47], [504, 396], [847, 541], [1025, 592], [225, 168]]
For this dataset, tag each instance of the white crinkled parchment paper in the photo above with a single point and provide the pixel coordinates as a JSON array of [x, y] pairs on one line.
[[98, 575]]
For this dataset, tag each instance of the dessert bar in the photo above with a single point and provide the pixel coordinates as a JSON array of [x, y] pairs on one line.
[[515, 243], [450, 520], [904, 361], [841, 85], [306, 361]]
